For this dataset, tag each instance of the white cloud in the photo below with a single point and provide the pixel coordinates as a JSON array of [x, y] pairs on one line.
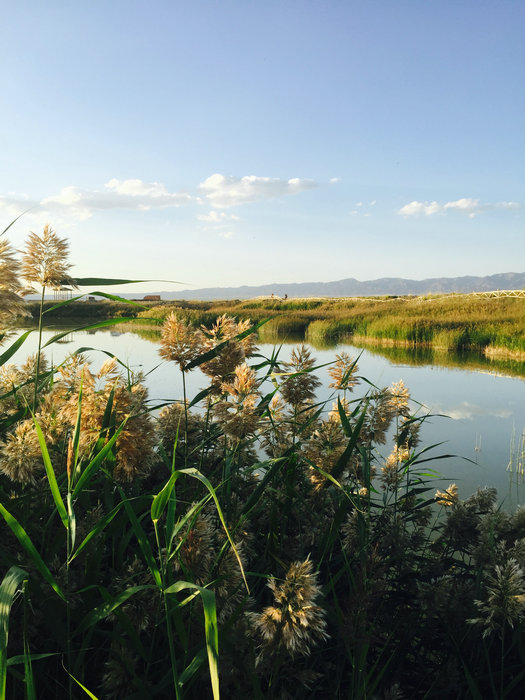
[[227, 191], [227, 234], [358, 204], [467, 411], [134, 194], [466, 205], [118, 194], [217, 217], [333, 180]]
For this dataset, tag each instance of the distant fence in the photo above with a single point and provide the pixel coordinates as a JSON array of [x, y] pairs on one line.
[[496, 294]]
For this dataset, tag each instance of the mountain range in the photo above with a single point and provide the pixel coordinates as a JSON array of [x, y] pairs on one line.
[[351, 287]]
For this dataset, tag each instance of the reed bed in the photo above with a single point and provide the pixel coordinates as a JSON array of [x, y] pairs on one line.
[[249, 541], [454, 322]]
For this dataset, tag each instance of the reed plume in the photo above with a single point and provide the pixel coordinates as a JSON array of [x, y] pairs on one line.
[[299, 388], [11, 303], [295, 622], [180, 342], [45, 260]]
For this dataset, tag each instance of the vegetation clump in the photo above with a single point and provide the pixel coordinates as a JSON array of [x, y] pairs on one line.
[[250, 541]]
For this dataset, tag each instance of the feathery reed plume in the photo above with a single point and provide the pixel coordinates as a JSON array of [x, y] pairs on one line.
[[379, 416], [180, 342], [294, 623], [299, 388], [45, 260], [391, 473], [505, 603], [448, 497], [236, 412], [134, 445], [20, 456], [324, 447], [11, 303], [400, 397], [343, 373], [222, 366]]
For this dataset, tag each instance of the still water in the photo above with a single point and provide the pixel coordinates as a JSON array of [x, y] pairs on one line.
[[477, 408]]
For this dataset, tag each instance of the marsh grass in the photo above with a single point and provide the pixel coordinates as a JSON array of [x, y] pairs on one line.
[[250, 541]]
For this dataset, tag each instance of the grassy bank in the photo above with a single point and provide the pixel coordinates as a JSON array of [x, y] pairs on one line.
[[453, 322]]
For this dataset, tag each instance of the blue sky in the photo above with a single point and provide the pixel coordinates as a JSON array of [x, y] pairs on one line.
[[233, 142]]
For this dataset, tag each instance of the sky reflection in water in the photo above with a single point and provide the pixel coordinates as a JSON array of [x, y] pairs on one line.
[[482, 412]]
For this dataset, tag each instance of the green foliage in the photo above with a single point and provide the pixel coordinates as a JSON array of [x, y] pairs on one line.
[[250, 541]]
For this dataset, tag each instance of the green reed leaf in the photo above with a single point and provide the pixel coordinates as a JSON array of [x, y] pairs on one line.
[[102, 611], [109, 281], [354, 436], [99, 527], [88, 692], [142, 539], [160, 501], [210, 625], [26, 543], [92, 326], [97, 460], [8, 354], [123, 300], [50, 472], [196, 474], [8, 589]]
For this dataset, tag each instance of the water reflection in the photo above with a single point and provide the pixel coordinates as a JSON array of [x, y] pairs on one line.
[[484, 400]]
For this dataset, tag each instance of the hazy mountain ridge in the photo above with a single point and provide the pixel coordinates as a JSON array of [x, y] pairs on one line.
[[352, 287]]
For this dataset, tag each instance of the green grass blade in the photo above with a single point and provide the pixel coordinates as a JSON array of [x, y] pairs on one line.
[[142, 539], [110, 282], [123, 300], [75, 446], [30, 548], [28, 673], [96, 530], [102, 611], [8, 589], [196, 474], [211, 628], [53, 485], [92, 326], [160, 501], [14, 221], [88, 692], [8, 354], [343, 459], [97, 460], [62, 303]]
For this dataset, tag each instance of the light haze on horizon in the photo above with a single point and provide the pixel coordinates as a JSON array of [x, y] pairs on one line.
[[244, 143]]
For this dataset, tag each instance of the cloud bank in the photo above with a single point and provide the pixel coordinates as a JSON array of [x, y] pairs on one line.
[[227, 191], [220, 191], [470, 207]]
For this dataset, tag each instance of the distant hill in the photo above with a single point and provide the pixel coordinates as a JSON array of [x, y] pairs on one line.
[[351, 287]]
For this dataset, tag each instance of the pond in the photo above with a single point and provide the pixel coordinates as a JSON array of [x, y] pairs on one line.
[[477, 408]]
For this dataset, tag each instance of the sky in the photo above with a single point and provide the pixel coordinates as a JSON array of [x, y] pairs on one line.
[[240, 142]]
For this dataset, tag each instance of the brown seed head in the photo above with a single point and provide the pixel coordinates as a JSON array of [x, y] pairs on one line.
[[45, 260], [180, 342]]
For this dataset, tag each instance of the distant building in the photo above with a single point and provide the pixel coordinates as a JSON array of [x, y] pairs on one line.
[[62, 293], [151, 297]]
